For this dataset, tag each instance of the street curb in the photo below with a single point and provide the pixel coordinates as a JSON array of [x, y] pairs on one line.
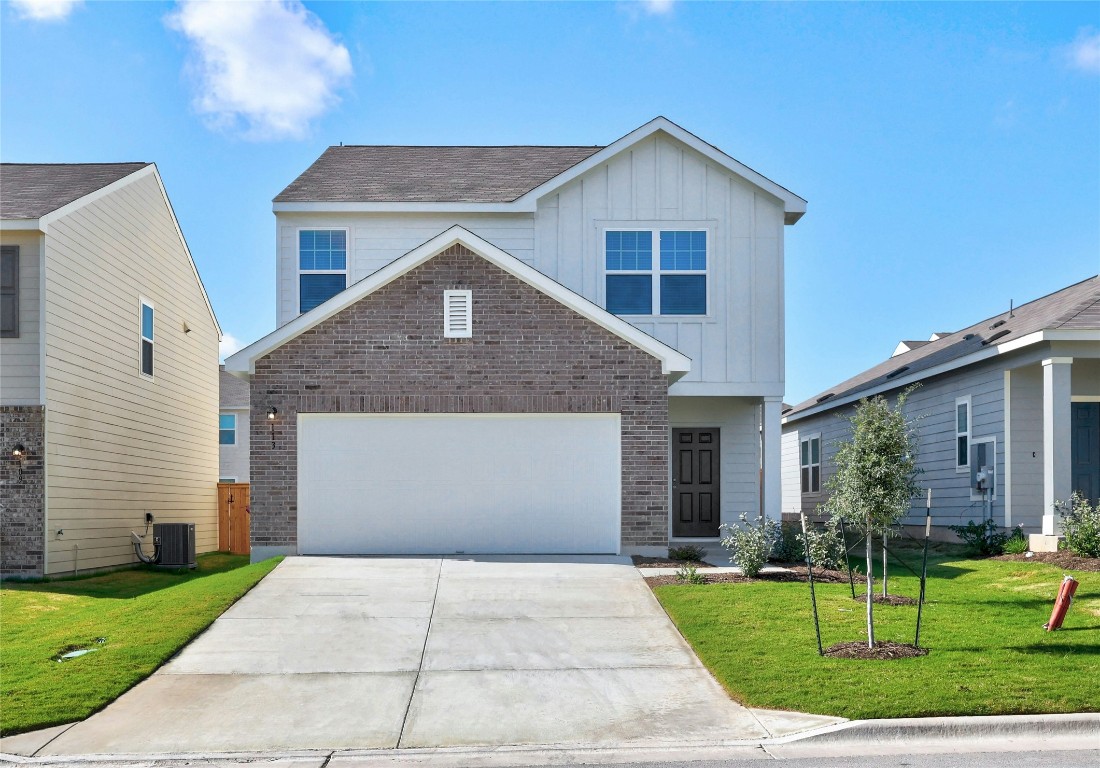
[[940, 729]]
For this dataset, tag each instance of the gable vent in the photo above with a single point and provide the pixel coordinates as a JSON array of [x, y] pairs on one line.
[[458, 321]]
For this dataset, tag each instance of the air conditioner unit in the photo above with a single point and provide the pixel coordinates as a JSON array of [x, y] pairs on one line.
[[177, 544]]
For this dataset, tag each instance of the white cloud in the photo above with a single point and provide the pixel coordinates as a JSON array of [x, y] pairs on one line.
[[228, 345], [45, 10], [657, 7], [265, 68], [1084, 52]]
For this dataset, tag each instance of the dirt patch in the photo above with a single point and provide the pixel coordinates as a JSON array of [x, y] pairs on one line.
[[664, 562], [794, 574], [1063, 559], [886, 599], [857, 649]]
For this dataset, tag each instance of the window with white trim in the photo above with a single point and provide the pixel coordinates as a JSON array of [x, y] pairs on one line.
[[962, 434], [146, 352], [810, 463], [673, 283], [227, 429], [322, 266]]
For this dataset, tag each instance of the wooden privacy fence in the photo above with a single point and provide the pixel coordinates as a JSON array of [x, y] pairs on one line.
[[233, 511]]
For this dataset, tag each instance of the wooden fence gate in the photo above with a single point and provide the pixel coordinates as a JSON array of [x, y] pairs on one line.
[[233, 512]]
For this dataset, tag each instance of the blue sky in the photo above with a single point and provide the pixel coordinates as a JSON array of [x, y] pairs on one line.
[[950, 153]]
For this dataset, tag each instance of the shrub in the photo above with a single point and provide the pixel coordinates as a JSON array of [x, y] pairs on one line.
[[1081, 526], [1016, 544], [689, 552], [688, 574], [751, 546], [981, 538], [788, 545], [827, 548]]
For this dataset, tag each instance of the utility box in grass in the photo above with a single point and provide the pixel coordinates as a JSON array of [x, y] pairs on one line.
[[177, 544]]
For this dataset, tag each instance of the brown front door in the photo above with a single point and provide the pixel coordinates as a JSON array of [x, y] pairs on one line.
[[695, 482]]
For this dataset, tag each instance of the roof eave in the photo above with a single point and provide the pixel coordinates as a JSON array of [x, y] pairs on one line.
[[21, 225]]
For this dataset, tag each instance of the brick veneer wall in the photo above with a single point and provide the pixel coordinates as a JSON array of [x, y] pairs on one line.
[[528, 354], [22, 491]]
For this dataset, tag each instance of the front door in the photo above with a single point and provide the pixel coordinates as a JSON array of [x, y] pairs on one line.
[[1085, 453], [696, 478]]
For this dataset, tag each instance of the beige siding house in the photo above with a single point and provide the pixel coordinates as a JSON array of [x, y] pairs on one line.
[[109, 384]]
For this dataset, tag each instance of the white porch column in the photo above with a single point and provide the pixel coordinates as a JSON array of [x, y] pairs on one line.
[[773, 479], [1057, 473]]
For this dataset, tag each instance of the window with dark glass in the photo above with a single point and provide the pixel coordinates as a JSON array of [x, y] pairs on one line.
[[673, 283], [146, 339], [322, 266], [227, 429], [811, 464]]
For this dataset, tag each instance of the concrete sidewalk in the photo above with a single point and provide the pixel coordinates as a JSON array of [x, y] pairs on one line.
[[341, 654]]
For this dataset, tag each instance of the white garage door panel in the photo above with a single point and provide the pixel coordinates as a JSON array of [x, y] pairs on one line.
[[436, 484]]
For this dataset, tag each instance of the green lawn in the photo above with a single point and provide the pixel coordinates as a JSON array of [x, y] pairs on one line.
[[983, 625], [143, 616]]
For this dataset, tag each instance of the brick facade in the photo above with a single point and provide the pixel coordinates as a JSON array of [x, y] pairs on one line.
[[528, 354], [22, 491]]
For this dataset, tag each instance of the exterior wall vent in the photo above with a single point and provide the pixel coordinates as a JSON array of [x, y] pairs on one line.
[[458, 314]]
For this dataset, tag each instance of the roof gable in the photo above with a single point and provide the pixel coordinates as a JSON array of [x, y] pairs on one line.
[[673, 363], [1073, 309], [32, 190]]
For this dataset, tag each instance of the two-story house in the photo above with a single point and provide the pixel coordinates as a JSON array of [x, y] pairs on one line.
[[108, 369], [520, 349], [1015, 396]]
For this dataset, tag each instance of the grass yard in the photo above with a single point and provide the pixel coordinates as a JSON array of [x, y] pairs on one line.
[[982, 623], [143, 617]]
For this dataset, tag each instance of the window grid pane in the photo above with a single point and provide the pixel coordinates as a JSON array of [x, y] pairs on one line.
[[683, 251], [628, 251], [683, 295], [317, 289], [962, 417], [147, 321], [630, 294], [322, 249]]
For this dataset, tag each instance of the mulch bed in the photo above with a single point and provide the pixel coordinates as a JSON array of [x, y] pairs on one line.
[[663, 562], [795, 574], [1063, 559], [857, 649], [887, 600]]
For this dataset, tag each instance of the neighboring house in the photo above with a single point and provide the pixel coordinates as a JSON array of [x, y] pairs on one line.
[[108, 369], [491, 349], [1019, 392], [233, 439]]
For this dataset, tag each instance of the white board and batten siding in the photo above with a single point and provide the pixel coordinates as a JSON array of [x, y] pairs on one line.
[[20, 357], [376, 239], [737, 348], [118, 443]]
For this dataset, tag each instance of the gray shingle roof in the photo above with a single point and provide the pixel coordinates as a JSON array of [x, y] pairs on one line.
[[232, 392], [31, 190], [368, 174], [1075, 307]]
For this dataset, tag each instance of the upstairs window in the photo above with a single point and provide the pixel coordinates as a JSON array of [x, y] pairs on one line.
[[227, 429], [146, 338], [322, 266], [811, 464], [9, 291], [673, 283]]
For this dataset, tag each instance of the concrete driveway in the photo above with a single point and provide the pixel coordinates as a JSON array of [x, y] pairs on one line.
[[361, 653]]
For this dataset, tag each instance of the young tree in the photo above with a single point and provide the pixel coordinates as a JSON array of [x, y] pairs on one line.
[[875, 476]]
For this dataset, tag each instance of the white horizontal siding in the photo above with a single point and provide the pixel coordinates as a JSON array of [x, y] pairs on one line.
[[234, 459], [20, 357], [119, 444], [376, 239], [661, 183]]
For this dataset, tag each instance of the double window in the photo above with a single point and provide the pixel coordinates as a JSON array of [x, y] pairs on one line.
[[227, 429], [655, 271], [146, 352], [322, 266], [810, 463], [962, 434]]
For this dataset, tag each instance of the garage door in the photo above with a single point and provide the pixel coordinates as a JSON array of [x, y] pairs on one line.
[[440, 484]]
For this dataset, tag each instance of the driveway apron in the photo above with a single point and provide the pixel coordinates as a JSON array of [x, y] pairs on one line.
[[362, 653]]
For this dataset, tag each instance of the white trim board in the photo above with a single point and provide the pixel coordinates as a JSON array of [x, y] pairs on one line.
[[673, 363]]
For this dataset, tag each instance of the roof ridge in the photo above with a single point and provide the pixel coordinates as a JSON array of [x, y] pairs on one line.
[[467, 146]]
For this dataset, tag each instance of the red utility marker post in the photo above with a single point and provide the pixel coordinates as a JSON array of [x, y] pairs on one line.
[[1062, 604]]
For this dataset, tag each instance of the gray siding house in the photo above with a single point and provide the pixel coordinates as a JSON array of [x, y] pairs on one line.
[[1019, 392], [233, 437], [520, 349], [108, 368]]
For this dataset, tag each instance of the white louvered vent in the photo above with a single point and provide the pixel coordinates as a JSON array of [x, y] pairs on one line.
[[458, 321]]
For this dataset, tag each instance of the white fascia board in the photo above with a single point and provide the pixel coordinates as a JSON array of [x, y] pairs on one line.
[[401, 207], [20, 225], [793, 205], [673, 363]]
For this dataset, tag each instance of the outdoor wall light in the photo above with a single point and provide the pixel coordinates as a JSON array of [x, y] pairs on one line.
[[271, 413], [18, 451]]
